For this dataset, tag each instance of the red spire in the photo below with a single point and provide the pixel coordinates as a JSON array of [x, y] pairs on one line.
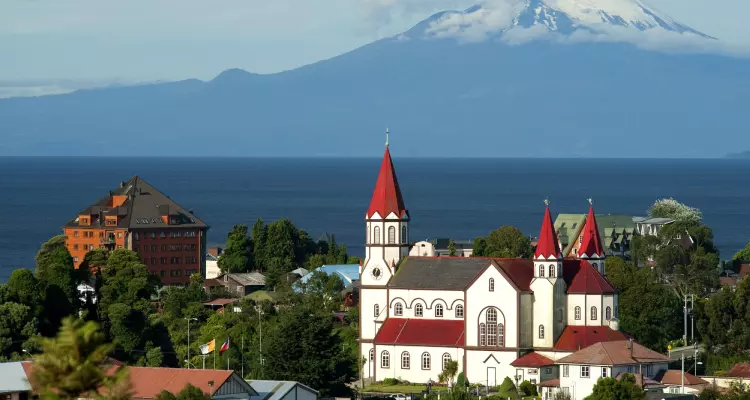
[[547, 245], [387, 198], [591, 244]]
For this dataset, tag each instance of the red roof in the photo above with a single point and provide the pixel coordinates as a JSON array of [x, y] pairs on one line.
[[147, 382], [739, 371], [220, 302], [532, 360], [582, 277], [547, 244], [550, 383], [386, 198], [591, 244], [420, 331], [575, 338], [674, 377]]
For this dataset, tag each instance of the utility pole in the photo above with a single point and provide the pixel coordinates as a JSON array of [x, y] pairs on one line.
[[682, 382], [242, 356], [684, 320], [188, 349], [692, 317]]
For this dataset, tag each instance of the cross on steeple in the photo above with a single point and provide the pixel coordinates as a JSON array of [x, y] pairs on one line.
[[546, 202], [386, 136], [591, 201]]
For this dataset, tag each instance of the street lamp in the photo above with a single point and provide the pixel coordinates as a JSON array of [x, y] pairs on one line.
[[188, 349]]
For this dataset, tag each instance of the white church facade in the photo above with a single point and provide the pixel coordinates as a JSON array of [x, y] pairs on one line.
[[496, 317]]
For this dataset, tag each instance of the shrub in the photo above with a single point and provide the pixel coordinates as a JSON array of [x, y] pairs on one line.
[[461, 381], [507, 386], [528, 388], [391, 381]]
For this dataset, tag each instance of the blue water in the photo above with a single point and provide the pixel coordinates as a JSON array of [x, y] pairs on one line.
[[459, 198]]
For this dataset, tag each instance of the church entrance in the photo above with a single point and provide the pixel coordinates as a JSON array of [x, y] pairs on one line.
[[491, 377]]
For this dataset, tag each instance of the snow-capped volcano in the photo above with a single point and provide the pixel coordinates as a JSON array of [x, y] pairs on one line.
[[496, 17]]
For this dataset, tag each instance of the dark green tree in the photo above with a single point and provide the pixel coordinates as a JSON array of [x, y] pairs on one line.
[[323, 291], [480, 247], [743, 255], [258, 239], [57, 279], [451, 248], [505, 242], [18, 327], [191, 392], [237, 254], [613, 389]]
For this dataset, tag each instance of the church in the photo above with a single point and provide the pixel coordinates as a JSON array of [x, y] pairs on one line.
[[497, 318]]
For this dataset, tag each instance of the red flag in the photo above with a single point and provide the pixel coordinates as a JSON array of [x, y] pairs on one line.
[[224, 347]]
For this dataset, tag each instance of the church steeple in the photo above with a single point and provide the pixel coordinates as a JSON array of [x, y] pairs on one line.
[[386, 198], [547, 246], [591, 243]]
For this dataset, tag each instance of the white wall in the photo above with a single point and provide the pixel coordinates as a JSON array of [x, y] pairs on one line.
[[371, 322], [505, 298], [369, 368], [429, 299], [581, 387], [415, 373], [422, 249], [480, 362], [212, 269], [586, 302]]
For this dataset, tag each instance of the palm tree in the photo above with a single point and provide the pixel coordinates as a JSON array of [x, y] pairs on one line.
[[449, 373]]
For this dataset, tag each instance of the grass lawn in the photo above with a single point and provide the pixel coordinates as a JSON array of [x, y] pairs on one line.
[[380, 388]]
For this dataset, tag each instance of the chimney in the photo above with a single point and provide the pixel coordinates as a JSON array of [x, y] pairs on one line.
[[630, 347]]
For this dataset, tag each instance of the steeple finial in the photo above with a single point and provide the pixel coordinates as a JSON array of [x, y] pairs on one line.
[[591, 201], [546, 202], [386, 136]]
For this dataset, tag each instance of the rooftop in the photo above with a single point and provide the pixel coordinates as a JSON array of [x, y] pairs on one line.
[[424, 332], [532, 360], [575, 338], [617, 352], [274, 390]]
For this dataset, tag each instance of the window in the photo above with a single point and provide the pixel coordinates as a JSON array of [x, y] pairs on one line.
[[75, 233], [367, 235], [418, 310], [596, 267], [425, 360], [391, 235], [491, 334], [164, 260], [153, 247], [446, 359], [566, 371], [403, 234], [153, 260], [136, 236], [593, 313], [385, 359], [376, 234], [584, 371], [162, 235], [119, 235], [482, 334], [548, 371], [163, 273], [439, 310], [175, 234], [405, 360], [541, 331], [578, 313], [372, 354], [491, 316], [145, 261], [674, 390], [459, 311], [377, 309], [551, 271], [541, 271], [75, 247], [500, 335], [153, 235], [492, 285], [75, 259], [608, 313], [630, 369], [604, 372], [580, 239], [398, 309], [190, 234]]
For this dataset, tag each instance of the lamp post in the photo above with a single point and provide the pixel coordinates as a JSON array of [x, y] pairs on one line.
[[188, 349]]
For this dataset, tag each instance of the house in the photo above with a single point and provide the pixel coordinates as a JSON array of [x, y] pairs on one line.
[[615, 230], [495, 317], [222, 305], [739, 373], [647, 226], [673, 382], [282, 390], [440, 247], [239, 284], [14, 380], [580, 370], [212, 266]]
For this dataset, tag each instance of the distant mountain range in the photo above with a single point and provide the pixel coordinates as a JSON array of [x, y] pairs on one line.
[[742, 155], [530, 78]]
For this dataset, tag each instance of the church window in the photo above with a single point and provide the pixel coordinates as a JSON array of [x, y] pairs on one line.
[[439, 310], [578, 313], [385, 359], [596, 266], [551, 271], [446, 359], [580, 239], [376, 234], [608, 313], [491, 316], [367, 234], [426, 360], [398, 309], [593, 313], [492, 285], [482, 334], [372, 354], [405, 360], [418, 310], [459, 311], [403, 234], [541, 271], [391, 235], [501, 335], [541, 331], [491, 334], [377, 309]]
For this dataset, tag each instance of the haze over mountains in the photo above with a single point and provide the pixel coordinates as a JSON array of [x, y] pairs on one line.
[[516, 78]]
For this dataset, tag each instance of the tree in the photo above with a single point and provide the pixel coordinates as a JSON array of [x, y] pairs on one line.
[[560, 395], [323, 291], [449, 373], [18, 326], [613, 389], [57, 279], [51, 253], [505, 242], [236, 256], [528, 388], [189, 392], [74, 364], [673, 209], [742, 255], [258, 239], [451, 248]]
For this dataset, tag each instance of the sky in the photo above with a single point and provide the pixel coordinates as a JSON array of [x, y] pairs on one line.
[[50, 46]]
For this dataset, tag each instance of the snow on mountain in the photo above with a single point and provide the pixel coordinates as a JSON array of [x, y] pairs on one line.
[[495, 18]]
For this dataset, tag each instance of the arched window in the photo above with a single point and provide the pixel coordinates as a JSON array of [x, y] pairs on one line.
[[376, 235], [398, 309], [541, 331], [492, 285], [439, 310], [459, 311], [482, 334], [608, 313], [551, 271], [405, 360], [403, 234], [372, 354], [418, 310], [491, 316], [593, 313], [541, 271], [596, 266], [578, 313], [385, 359], [425, 360], [500, 335], [391, 235], [377, 309], [446, 359]]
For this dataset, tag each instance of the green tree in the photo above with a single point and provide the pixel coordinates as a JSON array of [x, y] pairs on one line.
[[673, 209], [613, 389], [237, 254], [451, 248], [528, 388], [560, 395], [23, 288], [505, 242], [18, 326], [480, 247], [52, 252], [449, 373], [323, 291], [190, 392], [742, 255], [57, 279], [258, 238]]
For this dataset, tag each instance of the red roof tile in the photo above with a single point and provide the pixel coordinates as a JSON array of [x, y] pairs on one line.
[[532, 360], [419, 331], [591, 244], [220, 302], [547, 244], [550, 383], [386, 198], [574, 338], [519, 270], [739, 371], [727, 281], [617, 352], [582, 277], [744, 270], [674, 377], [147, 382]]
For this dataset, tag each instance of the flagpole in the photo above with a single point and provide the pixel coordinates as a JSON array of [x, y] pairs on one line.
[[242, 356], [214, 356]]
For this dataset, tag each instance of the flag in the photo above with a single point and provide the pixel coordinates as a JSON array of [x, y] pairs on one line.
[[224, 347], [208, 347]]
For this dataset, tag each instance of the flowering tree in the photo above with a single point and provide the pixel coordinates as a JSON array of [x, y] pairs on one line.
[[671, 208]]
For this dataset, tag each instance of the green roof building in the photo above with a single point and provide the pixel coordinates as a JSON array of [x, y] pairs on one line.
[[616, 231]]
